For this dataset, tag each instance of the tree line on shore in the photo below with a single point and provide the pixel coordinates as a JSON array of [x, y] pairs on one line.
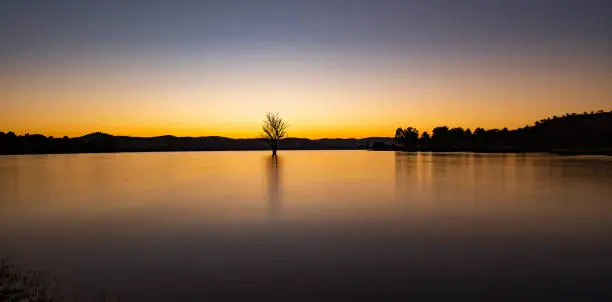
[[579, 132]]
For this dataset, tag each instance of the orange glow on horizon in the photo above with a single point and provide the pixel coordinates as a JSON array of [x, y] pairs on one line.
[[323, 100]]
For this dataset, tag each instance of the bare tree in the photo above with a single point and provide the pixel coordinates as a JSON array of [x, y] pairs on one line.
[[274, 128]]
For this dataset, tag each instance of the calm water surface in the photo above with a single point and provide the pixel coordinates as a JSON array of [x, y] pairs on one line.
[[312, 224]]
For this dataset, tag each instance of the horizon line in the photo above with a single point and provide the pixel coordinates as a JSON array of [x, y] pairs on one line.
[[600, 111]]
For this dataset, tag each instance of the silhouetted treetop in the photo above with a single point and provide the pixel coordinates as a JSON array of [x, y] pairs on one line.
[[274, 129]]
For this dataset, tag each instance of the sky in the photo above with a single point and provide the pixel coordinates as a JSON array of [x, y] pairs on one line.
[[330, 68]]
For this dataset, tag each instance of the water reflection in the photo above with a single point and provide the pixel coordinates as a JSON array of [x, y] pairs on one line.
[[273, 194], [196, 225], [406, 174]]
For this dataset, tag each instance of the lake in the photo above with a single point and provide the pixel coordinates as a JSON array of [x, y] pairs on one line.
[[312, 225]]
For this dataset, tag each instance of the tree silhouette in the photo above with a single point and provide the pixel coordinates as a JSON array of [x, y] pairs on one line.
[[408, 137], [399, 134], [425, 141], [274, 128]]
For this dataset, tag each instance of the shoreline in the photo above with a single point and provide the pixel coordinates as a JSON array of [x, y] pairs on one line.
[[561, 152]]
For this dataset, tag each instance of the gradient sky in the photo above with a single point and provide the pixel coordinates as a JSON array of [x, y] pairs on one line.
[[330, 68]]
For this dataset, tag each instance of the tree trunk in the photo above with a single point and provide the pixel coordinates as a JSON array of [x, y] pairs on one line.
[[273, 152]]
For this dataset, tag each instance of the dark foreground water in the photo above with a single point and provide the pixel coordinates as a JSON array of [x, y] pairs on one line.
[[312, 225]]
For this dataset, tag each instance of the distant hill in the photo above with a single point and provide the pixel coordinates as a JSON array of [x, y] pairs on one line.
[[103, 142]]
